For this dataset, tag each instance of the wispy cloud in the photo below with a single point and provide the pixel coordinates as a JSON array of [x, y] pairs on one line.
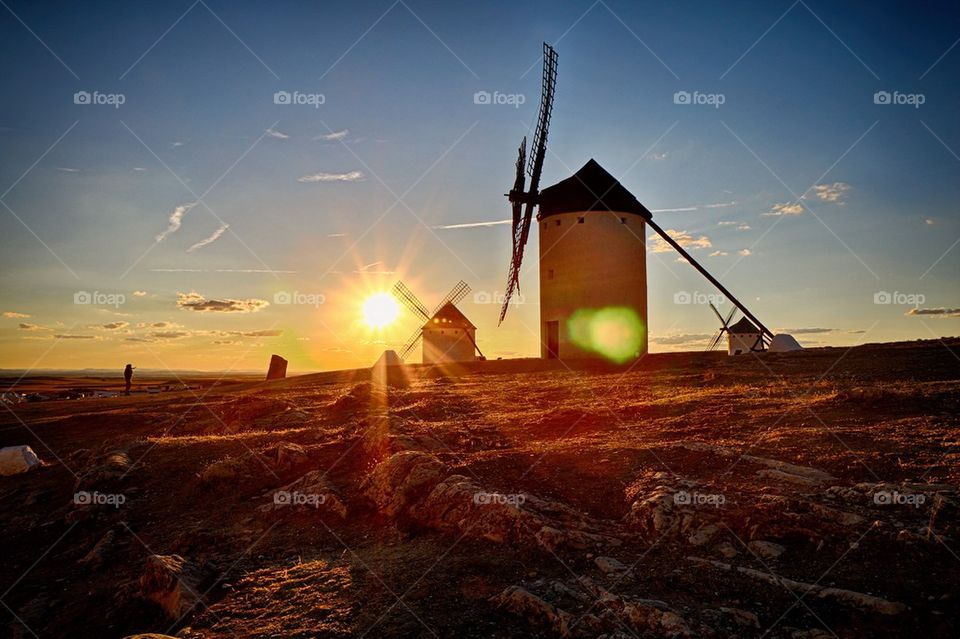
[[744, 252], [268, 332], [15, 315], [67, 169], [935, 312], [683, 238], [805, 331], [784, 210], [684, 338], [279, 135], [336, 234], [112, 326], [221, 270], [139, 293], [195, 302], [336, 135], [75, 337], [368, 269], [684, 209], [209, 240], [349, 176], [472, 225], [175, 220], [24, 326], [832, 193], [718, 254]]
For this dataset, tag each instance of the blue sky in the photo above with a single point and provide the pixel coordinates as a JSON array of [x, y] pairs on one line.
[[93, 185]]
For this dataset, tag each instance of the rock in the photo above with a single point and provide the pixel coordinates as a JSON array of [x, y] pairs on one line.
[[859, 600], [107, 471], [703, 534], [312, 490], [781, 475], [610, 565], [727, 550], [741, 617], [15, 460], [537, 612], [402, 480], [149, 635], [94, 559], [765, 549], [279, 458], [172, 583]]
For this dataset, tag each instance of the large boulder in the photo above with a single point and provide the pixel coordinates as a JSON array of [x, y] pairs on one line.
[[173, 583], [15, 460]]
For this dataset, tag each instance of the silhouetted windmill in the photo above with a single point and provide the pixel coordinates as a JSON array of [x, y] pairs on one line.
[[447, 334]]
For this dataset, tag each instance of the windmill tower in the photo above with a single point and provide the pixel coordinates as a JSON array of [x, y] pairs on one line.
[[593, 275], [447, 334]]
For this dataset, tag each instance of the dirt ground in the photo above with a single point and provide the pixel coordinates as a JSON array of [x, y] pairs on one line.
[[811, 494]]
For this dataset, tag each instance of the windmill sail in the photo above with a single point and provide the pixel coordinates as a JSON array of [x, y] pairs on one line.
[[518, 198]]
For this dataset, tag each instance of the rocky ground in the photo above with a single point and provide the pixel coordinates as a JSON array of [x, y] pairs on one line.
[[809, 494]]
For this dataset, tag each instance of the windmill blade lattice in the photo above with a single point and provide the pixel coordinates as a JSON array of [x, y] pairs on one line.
[[408, 299], [456, 294]]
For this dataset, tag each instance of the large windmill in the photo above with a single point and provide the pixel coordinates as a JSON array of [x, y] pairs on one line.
[[600, 263], [446, 333]]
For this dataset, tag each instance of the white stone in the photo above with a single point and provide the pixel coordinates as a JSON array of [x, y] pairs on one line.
[[15, 460]]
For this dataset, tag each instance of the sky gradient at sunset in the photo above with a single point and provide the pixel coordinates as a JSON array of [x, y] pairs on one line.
[[197, 185]]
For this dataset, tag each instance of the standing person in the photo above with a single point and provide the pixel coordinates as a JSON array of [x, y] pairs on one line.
[[127, 377]]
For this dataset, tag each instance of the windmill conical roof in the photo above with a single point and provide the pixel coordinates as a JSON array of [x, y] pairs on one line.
[[591, 188], [449, 316], [744, 326]]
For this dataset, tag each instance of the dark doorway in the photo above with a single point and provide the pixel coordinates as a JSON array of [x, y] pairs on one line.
[[553, 340]]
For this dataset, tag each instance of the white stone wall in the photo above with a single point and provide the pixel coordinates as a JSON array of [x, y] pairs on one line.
[[447, 345], [742, 342], [599, 263]]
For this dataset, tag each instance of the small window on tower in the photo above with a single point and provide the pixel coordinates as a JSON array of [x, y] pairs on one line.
[[623, 220], [558, 222], [579, 220], [550, 274]]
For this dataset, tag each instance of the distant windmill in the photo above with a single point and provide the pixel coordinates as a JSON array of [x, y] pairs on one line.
[[447, 334], [724, 325], [742, 337], [592, 245]]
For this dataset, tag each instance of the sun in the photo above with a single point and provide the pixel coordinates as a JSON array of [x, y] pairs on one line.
[[380, 310]]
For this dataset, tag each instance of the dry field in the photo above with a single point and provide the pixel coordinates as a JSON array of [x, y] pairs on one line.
[[812, 494]]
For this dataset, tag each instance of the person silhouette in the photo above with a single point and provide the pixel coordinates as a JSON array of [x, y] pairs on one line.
[[127, 377]]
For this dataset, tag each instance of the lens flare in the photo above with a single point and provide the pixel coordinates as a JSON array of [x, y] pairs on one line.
[[380, 310], [615, 332]]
